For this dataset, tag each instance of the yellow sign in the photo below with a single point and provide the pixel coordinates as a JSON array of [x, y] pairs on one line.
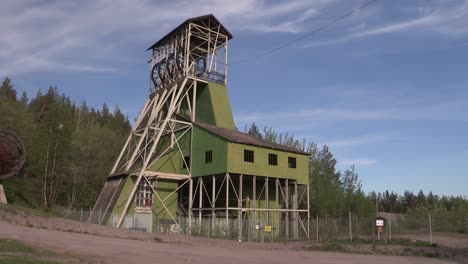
[[268, 228]]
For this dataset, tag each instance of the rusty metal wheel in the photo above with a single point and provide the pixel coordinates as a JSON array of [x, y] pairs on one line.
[[12, 154]]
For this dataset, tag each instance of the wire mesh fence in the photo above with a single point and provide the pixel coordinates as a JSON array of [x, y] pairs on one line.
[[278, 229]]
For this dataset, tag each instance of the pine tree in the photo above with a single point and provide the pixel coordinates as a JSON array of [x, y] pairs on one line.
[[7, 90]]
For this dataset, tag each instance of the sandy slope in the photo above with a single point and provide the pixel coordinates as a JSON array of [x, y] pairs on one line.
[[117, 250]]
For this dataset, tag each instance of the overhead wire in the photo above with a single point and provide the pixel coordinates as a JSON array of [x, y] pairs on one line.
[[287, 44]]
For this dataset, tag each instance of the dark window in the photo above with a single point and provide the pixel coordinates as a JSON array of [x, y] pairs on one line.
[[144, 195], [291, 162], [186, 162], [248, 155], [208, 156], [272, 159]]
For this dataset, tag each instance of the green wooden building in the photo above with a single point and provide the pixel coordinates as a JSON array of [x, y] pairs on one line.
[[185, 168]]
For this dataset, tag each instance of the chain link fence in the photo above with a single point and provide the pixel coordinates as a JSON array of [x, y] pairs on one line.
[[277, 229]]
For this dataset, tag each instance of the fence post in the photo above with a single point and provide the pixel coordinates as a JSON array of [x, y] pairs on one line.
[[350, 228], [99, 216], [317, 229], [430, 227], [389, 216], [81, 214]]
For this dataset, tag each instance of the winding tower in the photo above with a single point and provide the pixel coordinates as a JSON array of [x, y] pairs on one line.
[[185, 168]]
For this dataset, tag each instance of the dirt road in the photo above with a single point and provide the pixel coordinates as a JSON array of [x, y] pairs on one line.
[[116, 250]]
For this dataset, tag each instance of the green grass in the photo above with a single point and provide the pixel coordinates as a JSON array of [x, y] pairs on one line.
[[12, 246], [395, 241], [23, 260], [12, 251], [334, 247]]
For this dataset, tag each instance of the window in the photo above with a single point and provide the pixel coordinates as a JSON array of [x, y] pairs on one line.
[[208, 156], [291, 162], [144, 195], [186, 162], [248, 155], [272, 159]]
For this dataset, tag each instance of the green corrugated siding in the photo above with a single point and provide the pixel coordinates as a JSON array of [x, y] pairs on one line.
[[205, 141], [261, 167], [213, 105], [172, 162], [164, 189], [124, 195]]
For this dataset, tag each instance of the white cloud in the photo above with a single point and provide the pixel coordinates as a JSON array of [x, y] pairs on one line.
[[359, 162], [362, 140], [87, 35]]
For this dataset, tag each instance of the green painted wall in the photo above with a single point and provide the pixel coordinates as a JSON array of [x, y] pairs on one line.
[[213, 105], [172, 162], [204, 141], [164, 189], [123, 198], [261, 167]]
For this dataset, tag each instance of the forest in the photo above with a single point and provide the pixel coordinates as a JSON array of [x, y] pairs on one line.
[[71, 149]]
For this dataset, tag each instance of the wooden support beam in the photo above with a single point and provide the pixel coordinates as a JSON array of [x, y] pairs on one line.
[[200, 202], [240, 207], [190, 205], [286, 190], [213, 200], [227, 204]]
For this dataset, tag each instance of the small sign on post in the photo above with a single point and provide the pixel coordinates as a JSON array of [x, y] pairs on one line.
[[379, 223], [267, 228]]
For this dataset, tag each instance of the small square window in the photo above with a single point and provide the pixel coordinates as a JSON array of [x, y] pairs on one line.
[[248, 155], [208, 156], [272, 159], [292, 162], [186, 162]]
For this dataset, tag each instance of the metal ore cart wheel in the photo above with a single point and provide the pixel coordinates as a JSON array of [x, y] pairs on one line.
[[155, 76], [12, 154]]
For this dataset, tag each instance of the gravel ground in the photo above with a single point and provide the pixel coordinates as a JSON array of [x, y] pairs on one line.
[[111, 245]]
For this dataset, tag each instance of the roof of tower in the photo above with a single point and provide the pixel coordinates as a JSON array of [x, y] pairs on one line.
[[214, 23], [244, 138]]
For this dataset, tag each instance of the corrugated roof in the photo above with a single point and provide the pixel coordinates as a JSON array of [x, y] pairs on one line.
[[223, 30], [243, 138]]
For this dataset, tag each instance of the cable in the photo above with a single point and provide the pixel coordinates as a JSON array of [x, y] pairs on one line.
[[287, 44]]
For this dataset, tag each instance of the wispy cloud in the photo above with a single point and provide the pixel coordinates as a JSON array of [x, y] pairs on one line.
[[447, 19], [359, 162], [444, 111], [89, 35], [362, 140]]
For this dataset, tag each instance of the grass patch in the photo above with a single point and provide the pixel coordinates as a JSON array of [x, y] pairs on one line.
[[334, 247], [24, 260], [395, 241], [409, 242], [12, 251], [12, 246]]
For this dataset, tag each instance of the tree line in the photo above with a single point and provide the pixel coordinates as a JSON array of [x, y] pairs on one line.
[[70, 147], [335, 193]]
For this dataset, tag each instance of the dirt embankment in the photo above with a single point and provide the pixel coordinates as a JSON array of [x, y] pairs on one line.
[[125, 246]]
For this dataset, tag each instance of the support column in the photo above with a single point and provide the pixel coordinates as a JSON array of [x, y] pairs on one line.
[[227, 204], [200, 202], [267, 201], [239, 204], [213, 202], [308, 210], [254, 196], [296, 213], [286, 190], [190, 205], [277, 207]]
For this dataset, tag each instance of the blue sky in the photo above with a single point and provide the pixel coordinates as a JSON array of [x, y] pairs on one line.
[[386, 88]]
